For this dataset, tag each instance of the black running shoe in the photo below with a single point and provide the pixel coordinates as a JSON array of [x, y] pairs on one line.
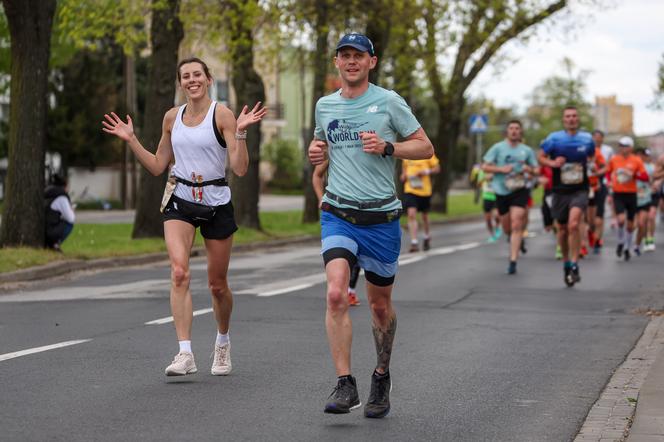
[[378, 404], [575, 273], [627, 255], [619, 251], [511, 270], [344, 397], [569, 277], [427, 244]]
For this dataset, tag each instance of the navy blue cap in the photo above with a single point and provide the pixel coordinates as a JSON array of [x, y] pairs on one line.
[[357, 41]]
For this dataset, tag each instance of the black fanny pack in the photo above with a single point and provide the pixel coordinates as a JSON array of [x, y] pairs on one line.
[[191, 210], [362, 217]]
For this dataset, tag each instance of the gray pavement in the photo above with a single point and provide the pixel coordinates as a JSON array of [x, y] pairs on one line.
[[479, 355]]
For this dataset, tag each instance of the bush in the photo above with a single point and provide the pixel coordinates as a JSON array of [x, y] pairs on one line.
[[285, 157]]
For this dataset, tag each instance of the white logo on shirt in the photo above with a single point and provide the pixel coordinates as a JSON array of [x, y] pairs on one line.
[[372, 109]]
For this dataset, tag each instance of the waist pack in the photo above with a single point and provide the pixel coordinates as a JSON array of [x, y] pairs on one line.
[[362, 217], [190, 210]]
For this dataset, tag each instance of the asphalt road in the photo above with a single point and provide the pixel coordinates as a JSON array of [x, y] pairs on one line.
[[479, 355]]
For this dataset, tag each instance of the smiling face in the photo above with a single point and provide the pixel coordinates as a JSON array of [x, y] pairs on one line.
[[194, 80], [354, 65]]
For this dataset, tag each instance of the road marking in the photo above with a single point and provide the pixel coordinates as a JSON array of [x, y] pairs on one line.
[[170, 318], [452, 249], [287, 289], [30, 351]]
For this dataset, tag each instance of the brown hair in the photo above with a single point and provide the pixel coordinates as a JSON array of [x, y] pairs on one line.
[[194, 60], [514, 122]]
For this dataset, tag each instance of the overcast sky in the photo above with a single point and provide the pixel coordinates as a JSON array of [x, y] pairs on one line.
[[621, 44]]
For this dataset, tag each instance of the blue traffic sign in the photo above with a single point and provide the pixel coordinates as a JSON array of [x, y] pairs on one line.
[[479, 123]]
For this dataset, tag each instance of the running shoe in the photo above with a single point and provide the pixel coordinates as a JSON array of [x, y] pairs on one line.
[[414, 248], [182, 364], [575, 273], [221, 360], [344, 398], [491, 239], [352, 298], [619, 250], [583, 252], [559, 253], [378, 404], [511, 270], [426, 245], [626, 255], [569, 277], [499, 232], [597, 249], [637, 251]]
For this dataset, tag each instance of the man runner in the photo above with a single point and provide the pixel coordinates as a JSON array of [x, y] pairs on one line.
[[601, 193], [625, 168], [567, 152], [416, 176], [512, 163], [356, 128]]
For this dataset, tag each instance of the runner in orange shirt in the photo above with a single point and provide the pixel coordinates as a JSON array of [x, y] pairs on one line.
[[597, 167], [625, 168]]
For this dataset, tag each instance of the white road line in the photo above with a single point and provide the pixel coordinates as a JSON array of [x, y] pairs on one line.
[[170, 318], [30, 351]]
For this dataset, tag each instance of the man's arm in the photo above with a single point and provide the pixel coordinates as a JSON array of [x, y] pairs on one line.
[[417, 145], [318, 178]]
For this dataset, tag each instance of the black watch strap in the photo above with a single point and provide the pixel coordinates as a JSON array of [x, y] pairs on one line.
[[389, 149]]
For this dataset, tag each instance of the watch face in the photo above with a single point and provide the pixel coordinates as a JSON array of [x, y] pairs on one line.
[[389, 148]]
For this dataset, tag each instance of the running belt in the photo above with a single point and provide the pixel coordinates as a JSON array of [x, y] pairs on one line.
[[218, 182], [369, 204]]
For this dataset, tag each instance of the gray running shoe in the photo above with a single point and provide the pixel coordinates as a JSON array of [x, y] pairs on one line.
[[182, 364], [221, 362]]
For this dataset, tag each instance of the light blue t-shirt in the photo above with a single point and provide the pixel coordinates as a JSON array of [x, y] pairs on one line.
[[502, 154], [643, 189], [352, 173]]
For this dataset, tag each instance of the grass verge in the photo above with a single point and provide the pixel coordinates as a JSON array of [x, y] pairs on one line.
[[90, 241]]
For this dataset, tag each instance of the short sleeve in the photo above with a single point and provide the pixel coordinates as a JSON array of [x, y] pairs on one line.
[[532, 161], [401, 116], [490, 156], [319, 132], [547, 144]]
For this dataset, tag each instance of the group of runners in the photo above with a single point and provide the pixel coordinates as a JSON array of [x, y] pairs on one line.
[[581, 177], [361, 129]]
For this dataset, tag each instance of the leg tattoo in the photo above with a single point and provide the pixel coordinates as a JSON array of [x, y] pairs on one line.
[[384, 340]]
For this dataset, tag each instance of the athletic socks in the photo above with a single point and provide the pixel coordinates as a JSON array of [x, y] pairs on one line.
[[621, 234], [185, 346], [628, 243], [222, 339]]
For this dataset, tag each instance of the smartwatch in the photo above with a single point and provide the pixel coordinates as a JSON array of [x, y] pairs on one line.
[[389, 149]]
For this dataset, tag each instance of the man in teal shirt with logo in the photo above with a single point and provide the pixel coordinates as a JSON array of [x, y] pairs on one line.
[[513, 165], [356, 129]]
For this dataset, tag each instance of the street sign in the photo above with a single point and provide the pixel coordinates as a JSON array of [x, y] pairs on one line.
[[479, 123]]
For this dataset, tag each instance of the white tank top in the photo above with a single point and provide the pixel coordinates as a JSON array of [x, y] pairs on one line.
[[197, 150]]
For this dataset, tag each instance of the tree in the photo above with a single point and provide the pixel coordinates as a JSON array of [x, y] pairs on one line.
[[166, 32], [472, 33], [658, 102], [30, 25]]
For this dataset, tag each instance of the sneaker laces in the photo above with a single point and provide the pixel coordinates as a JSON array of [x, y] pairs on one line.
[[343, 387], [220, 356]]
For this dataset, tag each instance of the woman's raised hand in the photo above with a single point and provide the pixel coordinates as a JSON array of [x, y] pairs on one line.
[[246, 118], [114, 125]]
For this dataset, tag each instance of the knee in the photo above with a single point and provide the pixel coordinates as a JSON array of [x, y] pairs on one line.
[[573, 224], [180, 275], [218, 287], [380, 309], [337, 300]]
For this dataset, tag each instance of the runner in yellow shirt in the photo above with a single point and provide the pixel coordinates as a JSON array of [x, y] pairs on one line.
[[416, 176]]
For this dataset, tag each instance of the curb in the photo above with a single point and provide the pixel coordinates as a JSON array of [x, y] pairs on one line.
[[59, 268], [611, 416]]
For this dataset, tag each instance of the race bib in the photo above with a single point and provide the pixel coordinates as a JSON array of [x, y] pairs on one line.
[[623, 176], [515, 181], [642, 193], [415, 182], [571, 173]]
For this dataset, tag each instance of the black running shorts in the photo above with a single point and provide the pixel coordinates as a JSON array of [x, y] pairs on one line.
[[221, 226]]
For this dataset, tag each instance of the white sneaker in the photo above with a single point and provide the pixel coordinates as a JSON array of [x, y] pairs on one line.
[[221, 363], [182, 364]]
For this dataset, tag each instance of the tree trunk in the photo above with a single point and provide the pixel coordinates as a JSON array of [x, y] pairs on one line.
[[449, 126], [30, 23], [165, 33], [249, 89], [378, 31], [321, 60]]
